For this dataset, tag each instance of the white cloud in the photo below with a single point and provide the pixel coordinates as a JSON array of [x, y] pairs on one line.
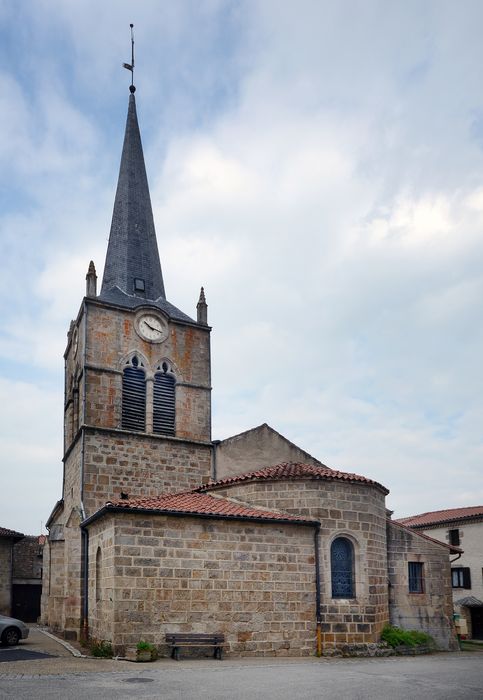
[[318, 168]]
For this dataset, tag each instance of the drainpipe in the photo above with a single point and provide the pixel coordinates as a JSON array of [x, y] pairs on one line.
[[317, 589], [84, 533], [85, 583], [215, 444]]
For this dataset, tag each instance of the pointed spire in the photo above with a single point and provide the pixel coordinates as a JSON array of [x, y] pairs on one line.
[[132, 260], [202, 309], [91, 280]]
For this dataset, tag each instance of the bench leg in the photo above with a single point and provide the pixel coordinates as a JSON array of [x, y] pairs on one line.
[[175, 653]]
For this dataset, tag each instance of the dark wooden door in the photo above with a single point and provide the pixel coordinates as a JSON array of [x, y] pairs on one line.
[[26, 601], [477, 622]]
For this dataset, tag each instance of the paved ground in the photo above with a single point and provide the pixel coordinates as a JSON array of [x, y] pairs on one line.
[[456, 676]]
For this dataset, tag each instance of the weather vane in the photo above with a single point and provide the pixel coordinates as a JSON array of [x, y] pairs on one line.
[[130, 66]]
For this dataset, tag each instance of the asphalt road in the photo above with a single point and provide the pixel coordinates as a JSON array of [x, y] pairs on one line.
[[457, 676]]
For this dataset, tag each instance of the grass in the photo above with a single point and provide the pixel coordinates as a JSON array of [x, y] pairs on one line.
[[397, 637]]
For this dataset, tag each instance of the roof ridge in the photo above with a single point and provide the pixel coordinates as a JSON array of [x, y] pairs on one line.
[[290, 470]]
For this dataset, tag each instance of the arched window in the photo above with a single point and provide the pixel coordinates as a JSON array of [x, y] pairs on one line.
[[98, 573], [134, 396], [164, 400], [342, 568]]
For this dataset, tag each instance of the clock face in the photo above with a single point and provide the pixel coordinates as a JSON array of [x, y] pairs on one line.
[[152, 327]]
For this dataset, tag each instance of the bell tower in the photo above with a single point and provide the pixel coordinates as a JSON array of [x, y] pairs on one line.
[[137, 387]]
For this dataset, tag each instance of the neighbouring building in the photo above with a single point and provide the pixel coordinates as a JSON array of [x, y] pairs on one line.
[[20, 574], [8, 538], [161, 529], [462, 527]]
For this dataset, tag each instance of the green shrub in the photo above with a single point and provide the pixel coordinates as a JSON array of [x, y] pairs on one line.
[[396, 637], [144, 646], [102, 649]]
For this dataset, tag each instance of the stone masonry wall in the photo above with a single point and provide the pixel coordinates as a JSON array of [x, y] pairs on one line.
[[254, 449], [356, 511], [101, 579], [112, 339], [432, 610], [253, 582], [5, 576], [27, 558], [139, 465]]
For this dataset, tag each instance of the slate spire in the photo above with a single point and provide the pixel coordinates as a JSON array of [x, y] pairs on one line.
[[132, 265]]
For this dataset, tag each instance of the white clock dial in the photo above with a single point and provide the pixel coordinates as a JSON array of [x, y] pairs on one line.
[[151, 327]]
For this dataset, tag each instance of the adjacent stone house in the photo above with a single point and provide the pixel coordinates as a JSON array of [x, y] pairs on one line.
[[462, 527], [20, 574], [161, 529], [8, 538]]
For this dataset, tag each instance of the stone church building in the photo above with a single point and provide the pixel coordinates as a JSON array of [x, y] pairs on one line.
[[162, 529]]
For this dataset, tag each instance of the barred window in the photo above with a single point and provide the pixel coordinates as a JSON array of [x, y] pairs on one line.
[[164, 401], [134, 396], [342, 568], [416, 577]]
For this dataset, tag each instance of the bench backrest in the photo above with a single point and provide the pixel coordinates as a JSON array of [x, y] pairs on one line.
[[193, 637]]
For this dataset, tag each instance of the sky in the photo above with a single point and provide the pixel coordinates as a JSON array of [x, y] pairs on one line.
[[317, 166]]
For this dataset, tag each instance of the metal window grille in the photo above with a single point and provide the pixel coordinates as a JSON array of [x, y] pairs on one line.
[[164, 404], [416, 577], [133, 399], [342, 568]]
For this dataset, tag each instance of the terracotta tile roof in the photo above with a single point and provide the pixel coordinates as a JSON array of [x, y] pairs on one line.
[[416, 533], [292, 471], [201, 504], [5, 532], [436, 517]]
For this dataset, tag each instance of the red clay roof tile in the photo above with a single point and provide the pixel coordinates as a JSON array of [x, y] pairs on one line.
[[201, 504], [5, 532], [441, 516], [292, 471]]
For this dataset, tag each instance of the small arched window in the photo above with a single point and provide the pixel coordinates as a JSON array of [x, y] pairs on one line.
[[342, 568], [98, 573], [134, 396], [164, 403]]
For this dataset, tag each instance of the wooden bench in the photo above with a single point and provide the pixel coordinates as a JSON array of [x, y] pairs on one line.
[[193, 639]]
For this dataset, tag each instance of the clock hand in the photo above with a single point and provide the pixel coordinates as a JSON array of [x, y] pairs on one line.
[[152, 327]]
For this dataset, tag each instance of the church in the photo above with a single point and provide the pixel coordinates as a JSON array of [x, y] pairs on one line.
[[161, 529]]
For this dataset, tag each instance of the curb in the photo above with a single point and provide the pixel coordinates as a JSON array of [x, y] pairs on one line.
[[66, 645]]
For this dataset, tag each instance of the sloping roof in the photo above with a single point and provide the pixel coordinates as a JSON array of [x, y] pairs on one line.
[[415, 533], [192, 503], [469, 602], [292, 471], [5, 532], [436, 517]]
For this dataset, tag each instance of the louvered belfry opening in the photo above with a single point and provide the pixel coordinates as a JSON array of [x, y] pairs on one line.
[[164, 402], [134, 397]]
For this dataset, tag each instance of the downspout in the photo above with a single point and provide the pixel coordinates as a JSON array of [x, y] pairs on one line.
[[215, 444], [317, 590], [458, 556], [85, 583], [84, 533]]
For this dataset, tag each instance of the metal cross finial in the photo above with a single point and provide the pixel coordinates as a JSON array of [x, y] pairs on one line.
[[130, 66]]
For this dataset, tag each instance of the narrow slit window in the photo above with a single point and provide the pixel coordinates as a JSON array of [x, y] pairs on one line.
[[416, 577]]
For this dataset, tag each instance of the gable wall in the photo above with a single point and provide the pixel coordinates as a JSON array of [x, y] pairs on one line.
[[431, 611], [261, 447]]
